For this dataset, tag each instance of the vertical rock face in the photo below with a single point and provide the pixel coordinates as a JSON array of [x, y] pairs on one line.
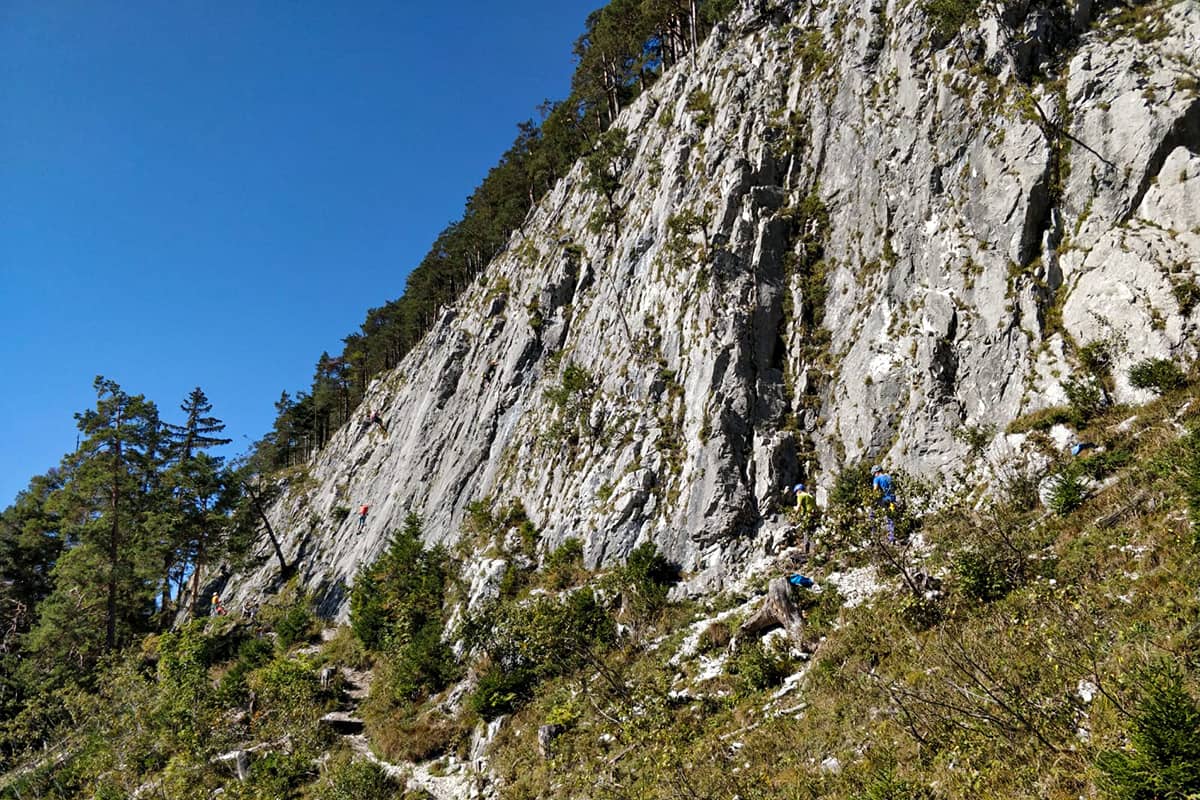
[[835, 240]]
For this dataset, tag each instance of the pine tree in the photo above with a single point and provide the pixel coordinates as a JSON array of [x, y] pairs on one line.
[[193, 528], [29, 546], [196, 433], [104, 583]]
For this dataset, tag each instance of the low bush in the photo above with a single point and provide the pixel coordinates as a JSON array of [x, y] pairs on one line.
[[919, 612], [715, 637], [422, 665], [296, 624], [527, 643], [564, 566], [1067, 490], [982, 576], [252, 654], [288, 692], [346, 650], [646, 578], [1103, 464], [1086, 396], [886, 786], [1163, 757], [949, 16], [756, 669], [345, 778], [280, 774], [1158, 375]]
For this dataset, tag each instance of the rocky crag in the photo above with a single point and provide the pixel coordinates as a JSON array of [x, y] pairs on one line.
[[842, 232]]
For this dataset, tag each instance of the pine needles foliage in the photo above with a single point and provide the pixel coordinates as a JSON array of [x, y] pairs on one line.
[[1163, 757]]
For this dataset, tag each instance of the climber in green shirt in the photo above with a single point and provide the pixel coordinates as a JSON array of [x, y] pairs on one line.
[[806, 504]]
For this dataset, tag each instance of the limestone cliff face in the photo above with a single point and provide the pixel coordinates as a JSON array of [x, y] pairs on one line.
[[835, 239]]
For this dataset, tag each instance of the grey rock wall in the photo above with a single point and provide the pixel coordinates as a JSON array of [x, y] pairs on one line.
[[979, 228]]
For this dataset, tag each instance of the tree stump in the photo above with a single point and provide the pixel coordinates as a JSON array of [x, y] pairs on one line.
[[778, 609]]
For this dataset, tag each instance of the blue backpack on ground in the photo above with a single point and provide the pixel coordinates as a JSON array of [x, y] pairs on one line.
[[801, 581]]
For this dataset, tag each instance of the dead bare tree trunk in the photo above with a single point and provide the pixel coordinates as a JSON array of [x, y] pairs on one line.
[[283, 565], [778, 609]]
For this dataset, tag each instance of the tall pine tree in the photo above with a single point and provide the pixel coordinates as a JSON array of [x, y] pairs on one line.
[[193, 526], [104, 583]]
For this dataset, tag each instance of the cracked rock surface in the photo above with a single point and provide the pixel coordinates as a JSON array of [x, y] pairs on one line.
[[869, 243]]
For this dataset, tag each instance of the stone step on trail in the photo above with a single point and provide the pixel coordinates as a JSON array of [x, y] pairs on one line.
[[343, 723]]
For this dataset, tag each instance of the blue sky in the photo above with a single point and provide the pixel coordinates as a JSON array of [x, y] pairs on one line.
[[212, 193]]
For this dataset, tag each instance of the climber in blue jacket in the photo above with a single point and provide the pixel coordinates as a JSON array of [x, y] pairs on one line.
[[886, 498]]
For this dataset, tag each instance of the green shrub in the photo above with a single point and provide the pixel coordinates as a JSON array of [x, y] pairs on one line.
[[919, 612], [1103, 464], [886, 786], [1159, 375], [646, 578], [976, 437], [948, 16], [1068, 490], [851, 488], [1163, 757], [699, 103], [756, 669], [359, 779], [280, 774], [294, 625], [252, 654], [528, 643], [1086, 397], [422, 665], [1187, 294], [401, 593], [1097, 357], [396, 610], [572, 400], [345, 649], [982, 576], [498, 691], [564, 566], [286, 684], [715, 637]]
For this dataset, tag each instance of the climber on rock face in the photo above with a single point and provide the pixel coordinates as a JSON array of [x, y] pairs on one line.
[[362, 517]]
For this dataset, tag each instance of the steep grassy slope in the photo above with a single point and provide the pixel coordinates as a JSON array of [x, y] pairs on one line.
[[1046, 642]]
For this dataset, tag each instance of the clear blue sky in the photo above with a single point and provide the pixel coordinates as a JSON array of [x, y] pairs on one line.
[[212, 193]]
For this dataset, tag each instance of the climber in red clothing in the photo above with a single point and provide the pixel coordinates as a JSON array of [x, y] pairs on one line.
[[362, 517]]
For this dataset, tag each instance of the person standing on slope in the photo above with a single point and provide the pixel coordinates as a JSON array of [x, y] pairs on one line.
[[885, 492], [805, 514]]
